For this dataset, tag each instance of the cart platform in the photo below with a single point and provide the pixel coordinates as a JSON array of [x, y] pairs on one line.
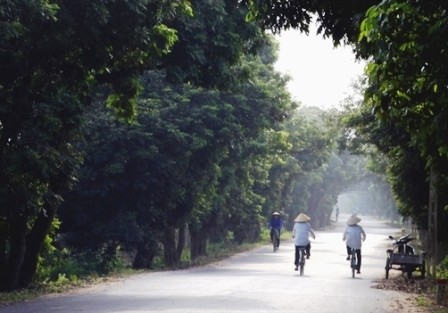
[[406, 259]]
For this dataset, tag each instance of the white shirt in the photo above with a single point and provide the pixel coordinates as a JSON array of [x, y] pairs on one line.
[[301, 233], [353, 234]]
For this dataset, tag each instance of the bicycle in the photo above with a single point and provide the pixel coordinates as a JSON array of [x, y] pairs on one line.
[[353, 261], [275, 239], [302, 258]]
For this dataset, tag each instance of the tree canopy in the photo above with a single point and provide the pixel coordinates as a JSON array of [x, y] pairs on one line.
[[407, 91], [217, 144], [54, 58]]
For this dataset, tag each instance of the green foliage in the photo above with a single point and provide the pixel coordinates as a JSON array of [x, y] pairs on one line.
[[7, 298], [59, 267], [406, 43], [301, 177], [191, 156], [442, 269], [408, 124], [215, 36], [65, 268], [404, 78], [395, 164], [422, 301], [50, 69], [338, 20]]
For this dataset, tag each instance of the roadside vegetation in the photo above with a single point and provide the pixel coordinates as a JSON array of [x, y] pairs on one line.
[[422, 293], [83, 274]]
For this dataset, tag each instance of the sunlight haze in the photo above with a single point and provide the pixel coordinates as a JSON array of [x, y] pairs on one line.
[[321, 75]]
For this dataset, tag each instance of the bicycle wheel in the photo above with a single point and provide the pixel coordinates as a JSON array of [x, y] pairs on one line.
[[423, 269], [302, 261], [409, 273], [275, 240], [353, 263]]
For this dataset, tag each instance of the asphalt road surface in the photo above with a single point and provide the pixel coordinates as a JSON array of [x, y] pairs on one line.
[[255, 281]]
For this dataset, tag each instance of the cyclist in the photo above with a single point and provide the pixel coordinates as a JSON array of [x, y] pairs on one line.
[[353, 235], [276, 222], [301, 233]]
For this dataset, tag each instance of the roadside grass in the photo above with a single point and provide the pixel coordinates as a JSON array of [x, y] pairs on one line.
[[59, 286], [422, 301], [17, 296], [422, 292], [63, 283]]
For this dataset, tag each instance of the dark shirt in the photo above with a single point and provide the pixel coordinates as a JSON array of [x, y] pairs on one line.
[[276, 223]]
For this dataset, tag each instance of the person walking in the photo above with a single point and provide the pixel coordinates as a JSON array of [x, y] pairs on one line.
[[353, 236], [336, 213], [301, 233]]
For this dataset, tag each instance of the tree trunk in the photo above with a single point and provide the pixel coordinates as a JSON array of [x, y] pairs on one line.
[[172, 248], [317, 215], [17, 254], [198, 245], [437, 217], [146, 253], [441, 200], [169, 247], [3, 255], [181, 241], [34, 243]]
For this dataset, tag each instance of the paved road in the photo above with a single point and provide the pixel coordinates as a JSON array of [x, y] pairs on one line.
[[255, 281]]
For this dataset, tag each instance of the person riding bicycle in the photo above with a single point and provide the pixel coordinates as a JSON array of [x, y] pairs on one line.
[[353, 235], [301, 233], [275, 222]]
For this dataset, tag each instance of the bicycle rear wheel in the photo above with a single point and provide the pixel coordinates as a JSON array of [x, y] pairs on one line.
[[353, 262], [302, 261], [275, 240]]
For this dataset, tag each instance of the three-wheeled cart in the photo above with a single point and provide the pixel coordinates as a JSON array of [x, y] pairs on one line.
[[407, 263]]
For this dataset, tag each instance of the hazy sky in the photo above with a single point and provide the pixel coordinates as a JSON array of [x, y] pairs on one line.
[[321, 75]]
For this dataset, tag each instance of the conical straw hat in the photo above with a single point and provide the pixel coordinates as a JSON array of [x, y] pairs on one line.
[[353, 220], [302, 217]]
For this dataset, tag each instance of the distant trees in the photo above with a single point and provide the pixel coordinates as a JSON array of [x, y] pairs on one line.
[[189, 162], [404, 112], [310, 151], [209, 165]]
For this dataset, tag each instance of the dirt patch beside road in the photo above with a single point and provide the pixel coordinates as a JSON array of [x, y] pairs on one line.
[[415, 295]]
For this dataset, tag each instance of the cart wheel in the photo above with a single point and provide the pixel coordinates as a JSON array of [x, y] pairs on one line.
[[423, 269], [387, 268]]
